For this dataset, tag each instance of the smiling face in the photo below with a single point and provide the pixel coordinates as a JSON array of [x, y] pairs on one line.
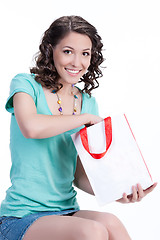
[[72, 57]]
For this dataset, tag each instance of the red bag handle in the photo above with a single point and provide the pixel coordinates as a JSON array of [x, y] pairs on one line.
[[108, 133]]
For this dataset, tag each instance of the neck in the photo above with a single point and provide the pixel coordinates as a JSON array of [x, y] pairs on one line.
[[66, 90]]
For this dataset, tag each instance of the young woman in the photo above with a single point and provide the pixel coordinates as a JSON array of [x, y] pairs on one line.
[[46, 109]]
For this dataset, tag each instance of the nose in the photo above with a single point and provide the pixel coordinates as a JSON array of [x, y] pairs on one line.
[[76, 61]]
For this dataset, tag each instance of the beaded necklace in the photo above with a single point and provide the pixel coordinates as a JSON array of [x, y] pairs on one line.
[[59, 101]]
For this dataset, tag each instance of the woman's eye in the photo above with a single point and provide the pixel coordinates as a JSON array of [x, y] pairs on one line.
[[86, 54], [67, 51]]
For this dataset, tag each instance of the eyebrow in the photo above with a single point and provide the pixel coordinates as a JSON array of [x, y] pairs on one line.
[[86, 49]]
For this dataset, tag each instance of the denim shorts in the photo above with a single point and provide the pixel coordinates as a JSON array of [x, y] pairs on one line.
[[14, 228]]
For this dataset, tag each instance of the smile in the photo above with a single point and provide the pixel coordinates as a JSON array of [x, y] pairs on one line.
[[72, 71]]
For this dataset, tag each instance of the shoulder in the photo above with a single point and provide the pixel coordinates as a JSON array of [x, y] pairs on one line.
[[24, 78], [89, 104], [22, 82], [89, 99]]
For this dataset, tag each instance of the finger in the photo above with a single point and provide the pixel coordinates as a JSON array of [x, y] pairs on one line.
[[150, 189], [140, 192], [134, 194], [125, 198]]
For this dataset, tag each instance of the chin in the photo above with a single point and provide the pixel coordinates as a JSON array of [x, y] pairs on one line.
[[70, 80]]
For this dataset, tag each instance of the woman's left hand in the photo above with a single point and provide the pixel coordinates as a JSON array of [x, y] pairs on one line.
[[137, 194]]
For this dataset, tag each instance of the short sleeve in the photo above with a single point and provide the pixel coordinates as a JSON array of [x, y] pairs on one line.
[[90, 105], [94, 107], [20, 83]]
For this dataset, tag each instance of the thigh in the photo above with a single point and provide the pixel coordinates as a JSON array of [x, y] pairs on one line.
[[102, 217], [65, 227], [114, 226]]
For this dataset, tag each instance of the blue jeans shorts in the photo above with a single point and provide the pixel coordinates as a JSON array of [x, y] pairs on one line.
[[13, 228]]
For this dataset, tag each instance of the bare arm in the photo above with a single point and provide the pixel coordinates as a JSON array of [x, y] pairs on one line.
[[35, 125], [81, 180]]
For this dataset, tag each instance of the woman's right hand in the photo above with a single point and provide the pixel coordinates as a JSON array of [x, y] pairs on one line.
[[92, 119]]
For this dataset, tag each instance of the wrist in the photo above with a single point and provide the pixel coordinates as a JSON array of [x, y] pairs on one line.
[[86, 118]]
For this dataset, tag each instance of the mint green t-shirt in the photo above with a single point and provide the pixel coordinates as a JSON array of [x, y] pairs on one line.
[[42, 170]]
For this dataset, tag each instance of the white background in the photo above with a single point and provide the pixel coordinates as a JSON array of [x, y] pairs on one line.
[[131, 35]]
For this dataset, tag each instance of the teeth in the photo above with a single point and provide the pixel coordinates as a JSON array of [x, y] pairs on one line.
[[72, 71]]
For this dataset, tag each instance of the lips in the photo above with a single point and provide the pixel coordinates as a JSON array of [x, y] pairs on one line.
[[72, 71]]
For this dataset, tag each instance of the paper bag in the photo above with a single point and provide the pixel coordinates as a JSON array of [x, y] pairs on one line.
[[111, 158]]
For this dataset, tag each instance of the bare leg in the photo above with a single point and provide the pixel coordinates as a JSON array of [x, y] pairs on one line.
[[66, 227], [113, 225]]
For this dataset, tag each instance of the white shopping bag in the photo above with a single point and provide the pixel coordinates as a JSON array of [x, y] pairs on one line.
[[111, 158]]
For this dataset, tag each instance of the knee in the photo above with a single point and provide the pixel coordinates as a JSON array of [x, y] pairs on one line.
[[93, 231], [114, 227], [111, 222]]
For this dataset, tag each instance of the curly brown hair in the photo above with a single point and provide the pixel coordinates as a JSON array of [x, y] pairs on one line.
[[45, 71]]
